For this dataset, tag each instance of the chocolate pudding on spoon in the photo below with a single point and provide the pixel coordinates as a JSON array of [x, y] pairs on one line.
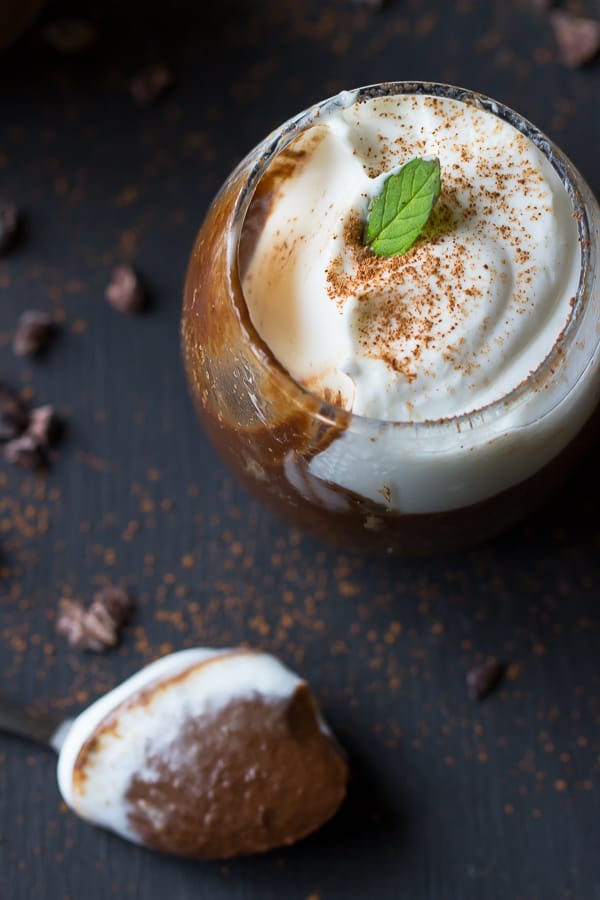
[[462, 372], [205, 753]]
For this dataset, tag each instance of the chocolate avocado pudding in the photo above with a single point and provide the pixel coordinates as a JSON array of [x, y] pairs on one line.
[[408, 404], [209, 754]]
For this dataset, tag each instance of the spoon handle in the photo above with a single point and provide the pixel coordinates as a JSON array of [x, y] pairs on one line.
[[35, 726]]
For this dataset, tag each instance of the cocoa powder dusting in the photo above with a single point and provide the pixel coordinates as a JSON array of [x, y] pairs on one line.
[[416, 301], [387, 321]]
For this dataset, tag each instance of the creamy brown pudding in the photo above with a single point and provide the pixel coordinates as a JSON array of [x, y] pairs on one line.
[[205, 753], [413, 403]]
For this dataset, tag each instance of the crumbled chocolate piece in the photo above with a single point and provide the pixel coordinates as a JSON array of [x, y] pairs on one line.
[[125, 291], [80, 629], [69, 35], [116, 601], [24, 451], [98, 627], [33, 333], [150, 83], [9, 227], [13, 417], [578, 38], [45, 426], [482, 680]]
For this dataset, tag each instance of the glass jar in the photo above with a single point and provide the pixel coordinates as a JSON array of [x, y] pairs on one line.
[[400, 487]]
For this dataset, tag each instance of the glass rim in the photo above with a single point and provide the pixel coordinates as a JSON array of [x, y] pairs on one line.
[[263, 154]]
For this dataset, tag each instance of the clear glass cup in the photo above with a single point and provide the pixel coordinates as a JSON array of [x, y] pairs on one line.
[[422, 486]]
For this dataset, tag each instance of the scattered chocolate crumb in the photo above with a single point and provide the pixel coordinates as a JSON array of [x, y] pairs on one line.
[[73, 622], [116, 601], [514, 671], [98, 627], [69, 35], [482, 680], [27, 434], [24, 451], [151, 83], [13, 416], [578, 38], [33, 333], [45, 426], [125, 291], [9, 227]]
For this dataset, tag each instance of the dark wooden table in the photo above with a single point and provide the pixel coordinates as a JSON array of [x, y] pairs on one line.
[[450, 800]]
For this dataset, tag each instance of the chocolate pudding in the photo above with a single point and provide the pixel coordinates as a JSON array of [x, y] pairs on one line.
[[208, 754], [411, 404], [253, 776]]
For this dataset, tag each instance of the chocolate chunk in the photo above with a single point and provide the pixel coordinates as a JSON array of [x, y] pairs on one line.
[[33, 334], [27, 435], [482, 680], [13, 417], [150, 83], [81, 632], [45, 426], [578, 38], [69, 35], [125, 291], [9, 227], [98, 627], [116, 602], [24, 451]]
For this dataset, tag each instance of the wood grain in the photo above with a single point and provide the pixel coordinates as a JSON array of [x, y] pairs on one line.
[[450, 799]]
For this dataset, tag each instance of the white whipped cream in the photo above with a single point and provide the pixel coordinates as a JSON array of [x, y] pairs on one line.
[[460, 320], [151, 727], [454, 325]]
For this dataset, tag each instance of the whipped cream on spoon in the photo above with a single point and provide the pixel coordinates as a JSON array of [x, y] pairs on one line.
[[204, 753]]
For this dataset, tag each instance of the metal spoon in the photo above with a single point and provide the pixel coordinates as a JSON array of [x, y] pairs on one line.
[[39, 727]]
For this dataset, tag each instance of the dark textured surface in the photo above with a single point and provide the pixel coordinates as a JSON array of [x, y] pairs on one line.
[[450, 799]]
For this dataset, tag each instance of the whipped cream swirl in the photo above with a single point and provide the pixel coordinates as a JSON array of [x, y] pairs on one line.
[[461, 319]]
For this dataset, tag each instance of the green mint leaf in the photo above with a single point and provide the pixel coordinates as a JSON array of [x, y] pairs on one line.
[[399, 213]]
